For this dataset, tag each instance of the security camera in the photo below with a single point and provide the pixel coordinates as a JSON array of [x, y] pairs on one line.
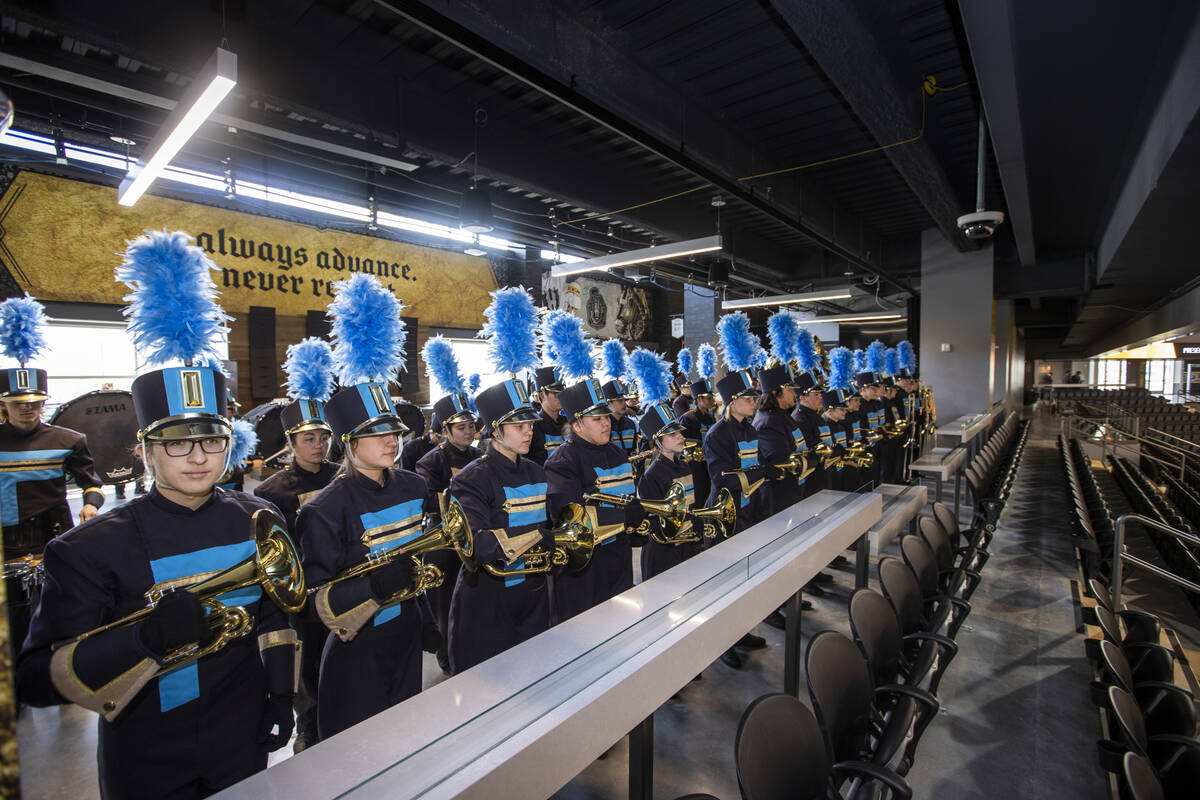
[[980, 224]]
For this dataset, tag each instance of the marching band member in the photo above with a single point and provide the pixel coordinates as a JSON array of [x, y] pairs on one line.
[[372, 654], [617, 394], [778, 434], [502, 602], [699, 419], [439, 466], [34, 457], [548, 429], [682, 402], [590, 461], [208, 723], [660, 426], [309, 370]]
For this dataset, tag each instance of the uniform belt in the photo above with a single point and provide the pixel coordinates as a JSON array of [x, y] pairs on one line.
[[30, 535]]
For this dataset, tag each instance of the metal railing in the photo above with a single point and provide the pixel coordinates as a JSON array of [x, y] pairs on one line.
[[1111, 434], [1120, 557]]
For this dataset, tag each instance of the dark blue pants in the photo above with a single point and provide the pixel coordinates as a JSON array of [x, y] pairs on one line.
[[487, 616]]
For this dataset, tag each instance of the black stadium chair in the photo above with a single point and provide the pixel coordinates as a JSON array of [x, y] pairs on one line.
[[918, 659], [1141, 781], [781, 755], [904, 594], [936, 584], [861, 721], [1166, 708], [1175, 758]]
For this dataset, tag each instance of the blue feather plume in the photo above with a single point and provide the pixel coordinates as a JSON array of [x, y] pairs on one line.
[[840, 366], [875, 355], [242, 441], [652, 374], [563, 334], [683, 362], [614, 359], [784, 334], [860, 361], [761, 357], [441, 364], [511, 330], [309, 369], [173, 313], [891, 361], [473, 387], [806, 351], [738, 344], [706, 363], [908, 356], [22, 328], [368, 334]]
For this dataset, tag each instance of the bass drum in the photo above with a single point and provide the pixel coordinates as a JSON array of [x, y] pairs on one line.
[[107, 419], [265, 419]]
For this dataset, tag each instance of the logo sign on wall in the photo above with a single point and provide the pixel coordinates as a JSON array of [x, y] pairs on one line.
[[608, 310], [1189, 350], [62, 239]]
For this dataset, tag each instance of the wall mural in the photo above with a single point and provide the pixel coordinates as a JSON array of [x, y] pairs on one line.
[[608, 310]]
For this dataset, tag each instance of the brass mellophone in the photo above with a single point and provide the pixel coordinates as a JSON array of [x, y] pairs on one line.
[[454, 533], [573, 546], [828, 459], [693, 451], [274, 565], [857, 455], [724, 512], [672, 509]]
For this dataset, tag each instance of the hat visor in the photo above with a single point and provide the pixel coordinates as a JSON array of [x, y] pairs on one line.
[[555, 387], [669, 428], [750, 392], [197, 427], [378, 426], [461, 416], [522, 414], [309, 425], [598, 410], [23, 397]]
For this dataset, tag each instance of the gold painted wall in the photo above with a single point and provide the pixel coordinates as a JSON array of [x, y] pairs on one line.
[[62, 240]]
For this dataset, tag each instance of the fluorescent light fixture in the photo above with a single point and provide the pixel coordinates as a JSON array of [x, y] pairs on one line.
[[204, 95], [554, 255], [690, 247], [786, 299], [866, 316]]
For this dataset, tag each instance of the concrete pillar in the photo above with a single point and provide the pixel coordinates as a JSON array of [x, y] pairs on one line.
[[700, 311], [956, 310]]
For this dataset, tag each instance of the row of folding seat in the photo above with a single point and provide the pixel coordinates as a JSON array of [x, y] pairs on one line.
[[874, 696]]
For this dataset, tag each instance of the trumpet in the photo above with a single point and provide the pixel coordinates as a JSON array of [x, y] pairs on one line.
[[672, 508], [454, 533], [275, 566], [723, 513], [895, 429], [828, 459], [797, 464], [857, 455], [693, 451], [573, 546]]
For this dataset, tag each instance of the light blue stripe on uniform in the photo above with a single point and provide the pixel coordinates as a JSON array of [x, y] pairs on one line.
[[182, 685], [531, 515], [408, 511], [10, 514], [624, 487], [748, 461]]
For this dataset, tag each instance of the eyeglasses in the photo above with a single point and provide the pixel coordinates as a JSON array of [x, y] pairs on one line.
[[178, 448]]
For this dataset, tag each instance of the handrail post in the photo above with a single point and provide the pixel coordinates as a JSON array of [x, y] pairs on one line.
[[1118, 551]]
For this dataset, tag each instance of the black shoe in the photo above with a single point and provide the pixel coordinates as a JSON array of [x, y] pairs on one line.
[[751, 642], [443, 662], [823, 577], [730, 658], [812, 588], [805, 605], [776, 620], [121, 492], [839, 561]]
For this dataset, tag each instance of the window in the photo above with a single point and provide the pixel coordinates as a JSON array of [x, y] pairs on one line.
[[1107, 371], [81, 357], [472, 358], [1160, 376]]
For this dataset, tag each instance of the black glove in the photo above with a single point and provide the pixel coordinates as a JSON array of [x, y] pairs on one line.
[[431, 638], [635, 513], [773, 472], [391, 578], [176, 620], [278, 711]]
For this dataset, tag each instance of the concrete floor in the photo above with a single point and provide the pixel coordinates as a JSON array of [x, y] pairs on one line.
[[1018, 721]]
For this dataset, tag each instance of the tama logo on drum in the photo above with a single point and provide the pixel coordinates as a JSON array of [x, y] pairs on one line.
[[87, 412]]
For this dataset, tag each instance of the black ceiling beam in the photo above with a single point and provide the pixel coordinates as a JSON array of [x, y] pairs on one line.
[[884, 91], [562, 58], [988, 25]]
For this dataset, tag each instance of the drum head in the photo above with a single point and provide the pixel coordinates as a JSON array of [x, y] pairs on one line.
[[265, 419], [108, 421]]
